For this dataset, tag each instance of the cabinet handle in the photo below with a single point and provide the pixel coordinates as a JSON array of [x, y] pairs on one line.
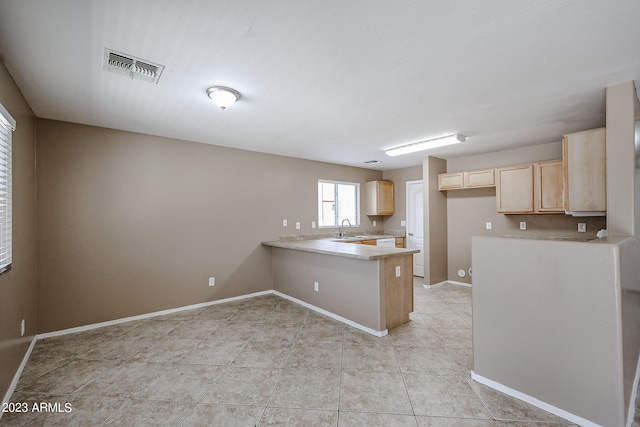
[[410, 234]]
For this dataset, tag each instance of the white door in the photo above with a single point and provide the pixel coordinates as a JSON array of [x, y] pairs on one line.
[[415, 225]]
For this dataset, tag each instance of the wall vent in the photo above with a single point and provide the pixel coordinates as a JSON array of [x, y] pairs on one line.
[[128, 65]]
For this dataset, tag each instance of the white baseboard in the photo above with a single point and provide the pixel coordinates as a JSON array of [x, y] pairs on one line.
[[453, 282], [435, 285], [634, 395], [16, 377], [148, 315], [333, 316], [533, 401], [447, 282]]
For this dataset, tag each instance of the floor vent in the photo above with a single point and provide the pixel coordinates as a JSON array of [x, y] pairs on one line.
[[127, 65]]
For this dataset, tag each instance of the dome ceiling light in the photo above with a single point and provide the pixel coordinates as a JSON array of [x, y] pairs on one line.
[[222, 96]]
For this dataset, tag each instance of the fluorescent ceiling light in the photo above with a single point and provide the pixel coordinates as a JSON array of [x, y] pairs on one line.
[[425, 145], [222, 96]]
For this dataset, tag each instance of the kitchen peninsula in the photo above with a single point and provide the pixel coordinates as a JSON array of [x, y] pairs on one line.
[[368, 287]]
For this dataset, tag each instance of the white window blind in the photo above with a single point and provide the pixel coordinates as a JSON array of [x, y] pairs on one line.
[[338, 201], [7, 126]]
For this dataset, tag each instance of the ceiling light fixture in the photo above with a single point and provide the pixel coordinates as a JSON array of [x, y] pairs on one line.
[[425, 145], [222, 96]]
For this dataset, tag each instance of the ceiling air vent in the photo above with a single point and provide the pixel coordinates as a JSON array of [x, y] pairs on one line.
[[128, 65]]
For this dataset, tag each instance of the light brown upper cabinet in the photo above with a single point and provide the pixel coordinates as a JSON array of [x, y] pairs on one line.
[[379, 198], [462, 180], [451, 181], [583, 154], [514, 189], [548, 187], [478, 179]]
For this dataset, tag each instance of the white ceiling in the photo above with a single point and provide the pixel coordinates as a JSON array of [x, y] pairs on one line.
[[332, 80]]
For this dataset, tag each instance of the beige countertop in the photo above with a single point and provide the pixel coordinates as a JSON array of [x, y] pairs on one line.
[[330, 246]]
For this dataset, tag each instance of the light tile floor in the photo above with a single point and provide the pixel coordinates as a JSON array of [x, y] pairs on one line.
[[269, 362]]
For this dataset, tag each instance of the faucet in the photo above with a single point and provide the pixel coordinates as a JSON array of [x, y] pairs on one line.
[[341, 228]]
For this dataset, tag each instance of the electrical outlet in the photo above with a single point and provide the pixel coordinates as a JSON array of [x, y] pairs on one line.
[[212, 281], [313, 224], [397, 271], [22, 328], [374, 222], [284, 222], [316, 286], [582, 227], [488, 225], [523, 225], [297, 225], [403, 223]]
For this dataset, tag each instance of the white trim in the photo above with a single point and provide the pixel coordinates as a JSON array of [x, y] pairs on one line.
[[447, 282], [373, 332], [435, 285], [406, 210], [148, 315], [16, 377], [6, 117], [453, 282], [533, 401], [634, 395]]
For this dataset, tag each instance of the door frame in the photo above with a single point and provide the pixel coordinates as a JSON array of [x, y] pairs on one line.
[[407, 184]]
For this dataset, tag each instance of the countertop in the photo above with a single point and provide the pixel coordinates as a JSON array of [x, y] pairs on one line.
[[330, 246]]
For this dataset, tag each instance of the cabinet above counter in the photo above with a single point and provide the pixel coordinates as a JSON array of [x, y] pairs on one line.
[[574, 185], [380, 198]]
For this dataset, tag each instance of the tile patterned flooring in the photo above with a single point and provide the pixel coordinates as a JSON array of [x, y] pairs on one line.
[[269, 362]]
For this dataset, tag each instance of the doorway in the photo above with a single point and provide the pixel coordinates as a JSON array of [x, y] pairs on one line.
[[415, 225]]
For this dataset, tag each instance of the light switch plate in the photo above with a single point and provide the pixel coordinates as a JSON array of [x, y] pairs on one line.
[[488, 225], [397, 271], [313, 224], [403, 223], [582, 227], [297, 225], [284, 222]]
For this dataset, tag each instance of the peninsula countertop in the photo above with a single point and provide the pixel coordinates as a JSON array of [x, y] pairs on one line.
[[330, 246]]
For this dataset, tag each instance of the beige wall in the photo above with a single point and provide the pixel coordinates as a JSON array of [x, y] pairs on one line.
[[469, 210], [361, 301], [435, 222], [546, 322], [18, 286], [131, 223], [623, 198], [400, 178]]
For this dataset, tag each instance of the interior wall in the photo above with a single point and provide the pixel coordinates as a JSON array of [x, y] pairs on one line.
[[468, 211], [18, 286], [435, 222], [400, 178], [623, 195], [131, 223]]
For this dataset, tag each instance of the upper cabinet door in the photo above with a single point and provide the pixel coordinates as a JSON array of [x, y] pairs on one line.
[[380, 198], [549, 186], [451, 181], [584, 158], [478, 179], [514, 189]]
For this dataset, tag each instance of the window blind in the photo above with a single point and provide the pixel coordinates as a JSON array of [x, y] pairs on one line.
[[7, 126], [338, 201]]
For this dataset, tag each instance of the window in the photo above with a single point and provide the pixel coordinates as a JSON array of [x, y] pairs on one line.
[[7, 125], [338, 201]]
